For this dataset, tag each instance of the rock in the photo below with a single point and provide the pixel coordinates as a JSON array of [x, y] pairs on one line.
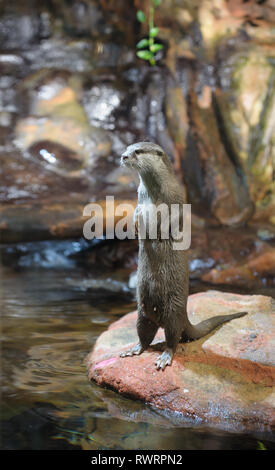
[[57, 155], [82, 140], [18, 30], [224, 19], [113, 255], [246, 105], [254, 14], [259, 265], [226, 377], [103, 100], [57, 161], [73, 94], [220, 37], [83, 18], [216, 21], [177, 123], [235, 257], [58, 117], [96, 18], [59, 52], [232, 257], [51, 219], [223, 189], [11, 64]]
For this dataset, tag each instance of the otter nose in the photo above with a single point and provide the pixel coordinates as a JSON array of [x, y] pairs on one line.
[[124, 156]]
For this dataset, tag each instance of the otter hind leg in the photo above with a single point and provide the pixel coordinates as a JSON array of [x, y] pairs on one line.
[[172, 336], [146, 330]]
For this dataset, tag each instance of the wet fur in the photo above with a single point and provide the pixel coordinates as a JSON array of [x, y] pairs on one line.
[[162, 275]]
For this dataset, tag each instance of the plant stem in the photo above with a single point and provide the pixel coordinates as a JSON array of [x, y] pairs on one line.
[[151, 25]]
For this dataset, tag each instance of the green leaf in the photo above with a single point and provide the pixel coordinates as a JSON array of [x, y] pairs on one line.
[[153, 32], [143, 43], [157, 3], [146, 55], [141, 16], [156, 47], [261, 446]]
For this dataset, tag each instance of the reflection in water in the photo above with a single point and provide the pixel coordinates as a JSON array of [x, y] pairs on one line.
[[50, 321]]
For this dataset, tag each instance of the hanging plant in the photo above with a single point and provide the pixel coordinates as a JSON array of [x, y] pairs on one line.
[[147, 47]]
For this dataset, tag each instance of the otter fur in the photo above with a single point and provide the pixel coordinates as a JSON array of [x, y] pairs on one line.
[[162, 275]]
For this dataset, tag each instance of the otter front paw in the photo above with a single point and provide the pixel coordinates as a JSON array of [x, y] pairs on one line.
[[165, 359], [134, 351]]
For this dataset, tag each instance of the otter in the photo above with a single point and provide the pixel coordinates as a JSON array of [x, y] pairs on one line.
[[162, 274]]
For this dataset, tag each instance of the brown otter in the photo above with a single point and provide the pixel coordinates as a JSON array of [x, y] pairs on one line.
[[162, 276]]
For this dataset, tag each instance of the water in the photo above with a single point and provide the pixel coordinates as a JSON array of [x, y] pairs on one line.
[[51, 319]]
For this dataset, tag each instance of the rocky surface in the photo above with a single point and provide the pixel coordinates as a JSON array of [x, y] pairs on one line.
[[73, 95], [243, 258], [226, 378], [247, 114], [228, 257]]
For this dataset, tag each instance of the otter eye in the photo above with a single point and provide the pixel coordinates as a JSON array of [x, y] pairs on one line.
[[159, 153], [138, 152]]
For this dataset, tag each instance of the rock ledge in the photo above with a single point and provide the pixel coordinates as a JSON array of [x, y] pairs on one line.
[[227, 376]]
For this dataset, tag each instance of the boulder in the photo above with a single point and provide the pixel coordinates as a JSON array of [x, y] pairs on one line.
[[226, 378], [246, 108], [235, 257], [54, 220], [221, 184], [58, 117], [261, 265], [55, 160], [73, 95]]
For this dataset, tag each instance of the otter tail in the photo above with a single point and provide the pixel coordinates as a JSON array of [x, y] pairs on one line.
[[204, 327]]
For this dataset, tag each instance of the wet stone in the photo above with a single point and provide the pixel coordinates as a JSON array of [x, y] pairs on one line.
[[233, 367], [31, 179], [11, 63], [100, 103], [57, 155], [18, 31]]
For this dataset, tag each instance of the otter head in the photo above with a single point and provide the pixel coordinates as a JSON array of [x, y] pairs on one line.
[[146, 157]]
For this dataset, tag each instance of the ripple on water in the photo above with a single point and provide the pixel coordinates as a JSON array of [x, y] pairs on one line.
[[45, 386]]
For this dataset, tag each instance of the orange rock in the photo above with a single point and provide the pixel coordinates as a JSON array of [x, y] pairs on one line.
[[260, 265]]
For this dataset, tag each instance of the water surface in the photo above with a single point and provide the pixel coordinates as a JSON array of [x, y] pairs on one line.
[[50, 320]]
